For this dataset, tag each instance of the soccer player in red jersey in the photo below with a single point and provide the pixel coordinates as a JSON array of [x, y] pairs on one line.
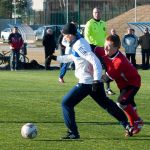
[[126, 76]]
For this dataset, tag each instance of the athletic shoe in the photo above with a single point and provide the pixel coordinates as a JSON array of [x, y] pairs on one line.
[[70, 136], [110, 92], [138, 126], [61, 80], [129, 131]]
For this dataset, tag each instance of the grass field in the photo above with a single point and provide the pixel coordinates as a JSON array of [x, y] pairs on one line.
[[35, 96]]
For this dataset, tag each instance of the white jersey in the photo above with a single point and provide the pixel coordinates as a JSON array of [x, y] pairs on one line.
[[87, 65]]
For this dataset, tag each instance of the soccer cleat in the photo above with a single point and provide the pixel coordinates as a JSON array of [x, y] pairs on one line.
[[70, 136], [138, 126], [61, 80], [129, 131], [110, 92]]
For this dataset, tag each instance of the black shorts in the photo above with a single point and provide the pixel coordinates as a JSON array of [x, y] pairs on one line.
[[127, 95]]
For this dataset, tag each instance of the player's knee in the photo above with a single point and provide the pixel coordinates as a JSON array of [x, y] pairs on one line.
[[121, 105], [65, 102]]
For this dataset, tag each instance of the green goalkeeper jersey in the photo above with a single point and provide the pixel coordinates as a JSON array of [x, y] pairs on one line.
[[95, 32]]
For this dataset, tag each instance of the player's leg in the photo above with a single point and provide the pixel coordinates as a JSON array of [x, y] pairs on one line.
[[132, 102], [108, 89], [111, 107], [125, 102], [73, 97], [63, 71]]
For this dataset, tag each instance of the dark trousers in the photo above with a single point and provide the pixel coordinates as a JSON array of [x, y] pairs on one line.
[[78, 93], [14, 59], [131, 58], [48, 52], [145, 58]]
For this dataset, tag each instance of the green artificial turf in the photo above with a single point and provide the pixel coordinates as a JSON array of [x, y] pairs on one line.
[[35, 96]]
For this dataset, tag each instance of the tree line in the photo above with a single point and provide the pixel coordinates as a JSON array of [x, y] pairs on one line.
[[7, 8]]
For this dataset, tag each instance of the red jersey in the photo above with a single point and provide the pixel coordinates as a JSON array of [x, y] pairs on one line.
[[120, 69], [15, 40]]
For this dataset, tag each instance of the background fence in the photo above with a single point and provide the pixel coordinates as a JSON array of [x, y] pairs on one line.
[[60, 12]]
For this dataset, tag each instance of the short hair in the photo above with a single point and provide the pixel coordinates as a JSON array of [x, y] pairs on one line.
[[69, 28], [114, 40], [146, 29], [133, 30], [96, 8], [15, 27], [49, 30]]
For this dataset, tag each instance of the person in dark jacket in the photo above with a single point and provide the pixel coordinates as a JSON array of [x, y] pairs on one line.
[[49, 46], [15, 41], [144, 41], [114, 33]]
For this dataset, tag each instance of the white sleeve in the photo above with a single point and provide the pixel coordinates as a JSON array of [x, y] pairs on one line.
[[97, 67], [64, 58], [67, 50]]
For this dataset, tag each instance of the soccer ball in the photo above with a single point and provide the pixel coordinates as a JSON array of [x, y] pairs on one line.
[[29, 131]]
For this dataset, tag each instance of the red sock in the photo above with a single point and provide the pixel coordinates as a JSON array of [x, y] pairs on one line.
[[131, 114]]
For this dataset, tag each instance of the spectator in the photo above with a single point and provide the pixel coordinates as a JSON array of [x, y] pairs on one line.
[[95, 34], [49, 47], [88, 70], [15, 41], [130, 43], [23, 51], [113, 32], [144, 41]]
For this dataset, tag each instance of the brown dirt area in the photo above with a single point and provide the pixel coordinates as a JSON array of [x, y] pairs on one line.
[[37, 53], [34, 51], [120, 22]]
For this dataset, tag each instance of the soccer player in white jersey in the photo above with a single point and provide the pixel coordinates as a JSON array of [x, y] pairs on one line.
[[88, 70]]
